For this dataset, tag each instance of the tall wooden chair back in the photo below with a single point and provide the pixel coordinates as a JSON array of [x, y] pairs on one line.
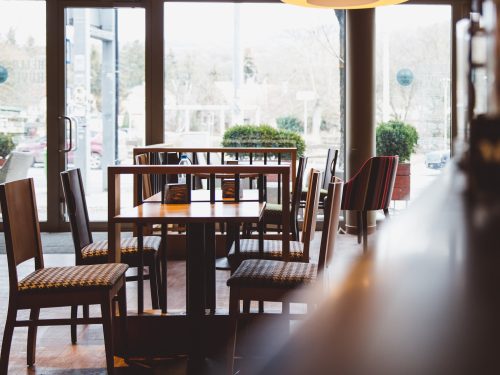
[[21, 226], [310, 211], [296, 194], [147, 187], [76, 204], [331, 222], [330, 167]]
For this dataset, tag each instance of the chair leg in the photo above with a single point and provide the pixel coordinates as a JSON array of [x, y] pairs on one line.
[[74, 314], [386, 213], [234, 307], [153, 284], [107, 326], [122, 301], [365, 230], [7, 339], [261, 307], [32, 331], [86, 314], [359, 225]]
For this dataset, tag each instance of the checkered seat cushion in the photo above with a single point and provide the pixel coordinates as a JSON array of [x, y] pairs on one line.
[[99, 249], [272, 273], [59, 278], [249, 249]]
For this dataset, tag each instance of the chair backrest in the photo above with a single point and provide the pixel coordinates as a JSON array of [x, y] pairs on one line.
[[371, 188], [330, 167], [331, 222], [297, 188], [76, 205], [16, 166], [311, 210], [147, 188], [21, 226]]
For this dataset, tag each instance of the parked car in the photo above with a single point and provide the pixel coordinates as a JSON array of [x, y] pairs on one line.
[[437, 159], [38, 148]]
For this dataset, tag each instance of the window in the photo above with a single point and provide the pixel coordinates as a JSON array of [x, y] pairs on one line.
[[414, 82], [253, 64], [23, 92]]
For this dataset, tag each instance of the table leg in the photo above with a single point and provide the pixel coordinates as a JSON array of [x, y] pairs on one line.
[[140, 270], [195, 294], [163, 292], [210, 277]]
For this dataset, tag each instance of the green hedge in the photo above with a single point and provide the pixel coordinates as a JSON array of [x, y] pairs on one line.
[[262, 136], [396, 138]]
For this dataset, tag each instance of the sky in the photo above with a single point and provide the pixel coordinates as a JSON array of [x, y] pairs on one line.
[[204, 23]]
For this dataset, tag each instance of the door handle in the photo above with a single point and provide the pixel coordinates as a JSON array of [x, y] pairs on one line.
[[70, 120]]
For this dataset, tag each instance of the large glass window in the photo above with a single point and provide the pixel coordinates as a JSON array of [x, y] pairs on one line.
[[23, 95], [414, 82], [253, 64], [105, 95]]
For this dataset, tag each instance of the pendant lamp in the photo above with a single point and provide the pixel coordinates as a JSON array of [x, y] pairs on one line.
[[343, 4]]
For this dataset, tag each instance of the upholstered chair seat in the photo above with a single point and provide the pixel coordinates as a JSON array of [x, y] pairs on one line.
[[249, 249], [151, 245], [58, 278], [272, 273]]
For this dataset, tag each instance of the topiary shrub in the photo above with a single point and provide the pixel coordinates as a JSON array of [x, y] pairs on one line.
[[396, 138], [6, 144], [290, 123], [262, 136]]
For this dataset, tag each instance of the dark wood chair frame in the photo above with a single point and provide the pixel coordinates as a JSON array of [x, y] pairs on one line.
[[328, 174], [18, 205], [82, 236], [294, 202], [283, 294]]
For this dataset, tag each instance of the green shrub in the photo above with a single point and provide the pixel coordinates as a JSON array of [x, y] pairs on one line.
[[6, 144], [262, 136], [290, 123], [396, 138]]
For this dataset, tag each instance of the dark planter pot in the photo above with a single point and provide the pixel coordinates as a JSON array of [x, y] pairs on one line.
[[402, 184]]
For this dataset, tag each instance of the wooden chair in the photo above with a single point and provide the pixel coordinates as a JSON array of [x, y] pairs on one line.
[[273, 212], [369, 190], [89, 252], [147, 187], [328, 175], [54, 286], [272, 249], [274, 280]]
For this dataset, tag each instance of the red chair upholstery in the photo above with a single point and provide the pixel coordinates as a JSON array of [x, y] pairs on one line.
[[370, 189]]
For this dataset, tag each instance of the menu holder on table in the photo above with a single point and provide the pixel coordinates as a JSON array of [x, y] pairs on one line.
[[175, 193], [229, 189]]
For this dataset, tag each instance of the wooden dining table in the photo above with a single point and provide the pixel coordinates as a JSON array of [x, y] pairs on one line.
[[200, 217]]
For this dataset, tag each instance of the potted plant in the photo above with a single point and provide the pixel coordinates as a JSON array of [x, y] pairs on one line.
[[6, 146], [398, 138]]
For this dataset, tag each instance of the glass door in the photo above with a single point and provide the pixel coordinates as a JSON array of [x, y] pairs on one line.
[[104, 96]]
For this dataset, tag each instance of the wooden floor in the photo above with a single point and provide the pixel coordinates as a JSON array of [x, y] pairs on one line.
[[56, 354]]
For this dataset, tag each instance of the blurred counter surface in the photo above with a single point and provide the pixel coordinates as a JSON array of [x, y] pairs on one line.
[[425, 300]]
